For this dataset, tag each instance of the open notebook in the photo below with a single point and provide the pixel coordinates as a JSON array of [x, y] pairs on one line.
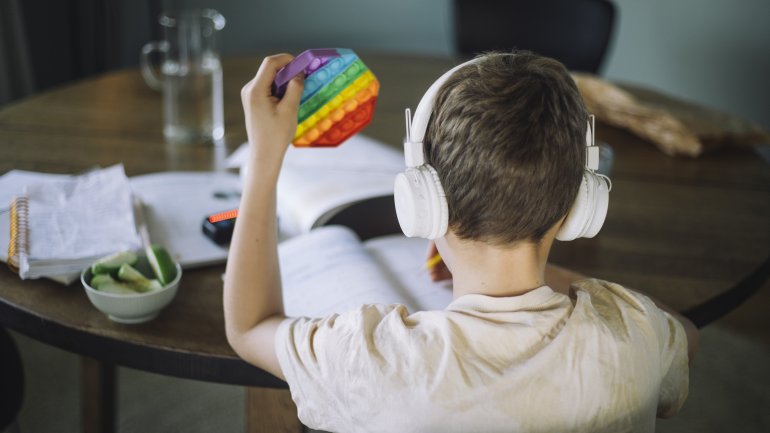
[[329, 270]]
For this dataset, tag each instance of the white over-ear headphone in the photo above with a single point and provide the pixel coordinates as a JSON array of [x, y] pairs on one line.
[[421, 205], [589, 209]]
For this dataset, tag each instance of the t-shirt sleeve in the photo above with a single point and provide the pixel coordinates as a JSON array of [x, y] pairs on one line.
[[674, 364], [331, 363], [672, 345]]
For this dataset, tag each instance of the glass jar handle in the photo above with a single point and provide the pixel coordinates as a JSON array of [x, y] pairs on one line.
[[217, 20], [151, 77]]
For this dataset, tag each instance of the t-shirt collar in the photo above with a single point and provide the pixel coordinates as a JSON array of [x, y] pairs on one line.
[[487, 303]]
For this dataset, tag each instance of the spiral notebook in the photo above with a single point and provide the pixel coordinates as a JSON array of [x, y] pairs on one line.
[[60, 225], [19, 243]]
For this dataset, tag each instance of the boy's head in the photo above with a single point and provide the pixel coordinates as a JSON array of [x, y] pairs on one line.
[[507, 137]]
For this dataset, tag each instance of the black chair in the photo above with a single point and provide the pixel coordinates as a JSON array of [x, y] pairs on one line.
[[575, 32], [11, 381]]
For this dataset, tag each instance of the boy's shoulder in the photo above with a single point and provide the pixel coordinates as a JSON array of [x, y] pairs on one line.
[[601, 292], [621, 309]]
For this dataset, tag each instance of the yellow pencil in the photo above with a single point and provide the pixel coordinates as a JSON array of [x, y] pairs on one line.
[[433, 261]]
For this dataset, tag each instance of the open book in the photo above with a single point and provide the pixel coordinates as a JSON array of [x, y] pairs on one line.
[[329, 270], [316, 184]]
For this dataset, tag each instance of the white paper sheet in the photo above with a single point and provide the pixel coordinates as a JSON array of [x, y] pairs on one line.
[[175, 204]]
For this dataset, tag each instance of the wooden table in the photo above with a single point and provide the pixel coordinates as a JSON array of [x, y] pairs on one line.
[[683, 230]]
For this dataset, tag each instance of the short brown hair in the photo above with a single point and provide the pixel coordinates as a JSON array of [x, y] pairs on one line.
[[507, 138]]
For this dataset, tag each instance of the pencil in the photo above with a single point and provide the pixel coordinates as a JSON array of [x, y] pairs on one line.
[[433, 261]]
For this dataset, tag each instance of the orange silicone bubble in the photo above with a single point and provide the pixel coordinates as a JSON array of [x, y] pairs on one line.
[[352, 123]]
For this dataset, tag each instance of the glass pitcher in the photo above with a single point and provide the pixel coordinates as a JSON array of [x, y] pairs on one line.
[[190, 75]]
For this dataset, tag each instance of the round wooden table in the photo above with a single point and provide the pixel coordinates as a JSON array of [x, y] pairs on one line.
[[683, 230]]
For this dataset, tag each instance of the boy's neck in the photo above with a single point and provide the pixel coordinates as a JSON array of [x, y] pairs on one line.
[[499, 271]]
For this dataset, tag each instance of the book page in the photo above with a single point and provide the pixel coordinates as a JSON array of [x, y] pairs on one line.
[[403, 259], [316, 182], [328, 271]]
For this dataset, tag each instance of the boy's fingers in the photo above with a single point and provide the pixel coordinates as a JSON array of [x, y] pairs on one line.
[[432, 250], [440, 273], [293, 93], [268, 69]]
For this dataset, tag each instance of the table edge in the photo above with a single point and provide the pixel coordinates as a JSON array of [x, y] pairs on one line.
[[181, 364]]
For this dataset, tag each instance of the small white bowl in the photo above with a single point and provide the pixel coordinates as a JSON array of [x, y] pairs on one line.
[[131, 308]]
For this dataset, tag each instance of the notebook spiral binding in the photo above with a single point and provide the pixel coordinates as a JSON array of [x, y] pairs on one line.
[[19, 243]]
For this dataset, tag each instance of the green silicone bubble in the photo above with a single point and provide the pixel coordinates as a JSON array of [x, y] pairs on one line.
[[331, 89]]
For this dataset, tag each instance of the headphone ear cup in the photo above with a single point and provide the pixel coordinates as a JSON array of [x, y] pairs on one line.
[[421, 203], [588, 211], [440, 209], [600, 197]]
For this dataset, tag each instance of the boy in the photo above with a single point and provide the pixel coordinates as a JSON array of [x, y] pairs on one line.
[[506, 137]]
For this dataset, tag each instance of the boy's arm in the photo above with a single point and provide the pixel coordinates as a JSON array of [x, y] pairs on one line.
[[559, 279], [252, 301]]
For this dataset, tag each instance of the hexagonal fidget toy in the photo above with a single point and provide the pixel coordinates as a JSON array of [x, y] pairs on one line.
[[339, 96]]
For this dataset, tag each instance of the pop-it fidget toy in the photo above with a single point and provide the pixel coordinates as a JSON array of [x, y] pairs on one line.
[[339, 96]]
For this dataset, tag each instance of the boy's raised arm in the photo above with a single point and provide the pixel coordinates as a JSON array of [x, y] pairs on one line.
[[253, 303]]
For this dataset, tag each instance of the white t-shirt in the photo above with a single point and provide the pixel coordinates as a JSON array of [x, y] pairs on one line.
[[607, 360]]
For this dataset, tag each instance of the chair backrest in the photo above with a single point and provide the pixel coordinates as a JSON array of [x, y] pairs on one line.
[[11, 380], [575, 32]]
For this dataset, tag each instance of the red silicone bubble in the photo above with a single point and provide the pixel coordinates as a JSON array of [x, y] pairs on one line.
[[349, 125]]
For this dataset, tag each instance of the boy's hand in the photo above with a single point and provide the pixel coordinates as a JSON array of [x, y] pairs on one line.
[[439, 271], [270, 122]]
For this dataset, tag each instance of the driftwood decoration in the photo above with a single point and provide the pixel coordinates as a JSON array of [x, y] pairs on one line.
[[676, 127]]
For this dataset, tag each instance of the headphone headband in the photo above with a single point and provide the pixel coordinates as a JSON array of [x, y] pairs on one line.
[[422, 113], [417, 126]]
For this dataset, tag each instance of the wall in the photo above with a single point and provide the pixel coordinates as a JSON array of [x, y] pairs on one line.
[[715, 52], [413, 26]]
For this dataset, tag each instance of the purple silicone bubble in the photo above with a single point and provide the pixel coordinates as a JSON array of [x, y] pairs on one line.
[[314, 65], [308, 61]]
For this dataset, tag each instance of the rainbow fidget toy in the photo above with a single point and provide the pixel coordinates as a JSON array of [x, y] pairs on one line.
[[339, 96]]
